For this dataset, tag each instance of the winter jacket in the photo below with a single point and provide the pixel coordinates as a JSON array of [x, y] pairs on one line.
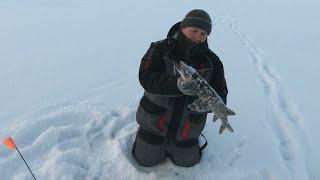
[[163, 107]]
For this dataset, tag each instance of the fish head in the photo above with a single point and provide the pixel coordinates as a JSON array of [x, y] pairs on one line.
[[184, 70]]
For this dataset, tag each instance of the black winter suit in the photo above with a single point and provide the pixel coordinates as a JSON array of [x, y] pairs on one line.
[[167, 126]]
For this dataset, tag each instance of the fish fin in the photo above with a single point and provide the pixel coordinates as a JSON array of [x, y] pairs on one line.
[[222, 128], [215, 118], [229, 128], [230, 112]]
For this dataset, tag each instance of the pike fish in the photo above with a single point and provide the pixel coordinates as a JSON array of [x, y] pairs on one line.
[[208, 99]]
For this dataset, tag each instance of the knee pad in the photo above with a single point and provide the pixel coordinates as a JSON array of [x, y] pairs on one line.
[[186, 154], [147, 154]]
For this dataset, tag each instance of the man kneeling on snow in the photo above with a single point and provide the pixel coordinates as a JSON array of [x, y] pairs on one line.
[[168, 128]]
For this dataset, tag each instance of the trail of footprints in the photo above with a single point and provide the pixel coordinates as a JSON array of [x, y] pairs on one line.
[[285, 120]]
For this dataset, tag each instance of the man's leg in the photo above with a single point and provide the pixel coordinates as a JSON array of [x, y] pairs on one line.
[[185, 153], [148, 148]]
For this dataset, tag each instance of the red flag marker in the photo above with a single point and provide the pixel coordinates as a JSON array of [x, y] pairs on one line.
[[11, 145]]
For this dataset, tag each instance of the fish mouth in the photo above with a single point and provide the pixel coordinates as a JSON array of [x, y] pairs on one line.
[[178, 65]]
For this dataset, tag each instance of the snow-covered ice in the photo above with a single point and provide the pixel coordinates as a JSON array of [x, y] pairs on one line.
[[69, 88]]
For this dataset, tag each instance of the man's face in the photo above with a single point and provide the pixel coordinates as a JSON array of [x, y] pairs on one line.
[[196, 35]]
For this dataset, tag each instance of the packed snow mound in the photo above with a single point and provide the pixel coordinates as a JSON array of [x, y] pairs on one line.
[[89, 142], [69, 142]]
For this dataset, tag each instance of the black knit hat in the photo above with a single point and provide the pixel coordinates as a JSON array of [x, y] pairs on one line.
[[197, 18]]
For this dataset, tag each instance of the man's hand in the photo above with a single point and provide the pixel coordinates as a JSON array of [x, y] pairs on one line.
[[189, 86]]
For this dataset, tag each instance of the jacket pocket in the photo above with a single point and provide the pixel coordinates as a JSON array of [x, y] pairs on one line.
[[152, 117]]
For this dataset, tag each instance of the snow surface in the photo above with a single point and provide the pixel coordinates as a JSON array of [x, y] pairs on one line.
[[69, 88]]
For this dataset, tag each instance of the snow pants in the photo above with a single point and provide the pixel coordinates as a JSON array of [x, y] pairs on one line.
[[150, 150]]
